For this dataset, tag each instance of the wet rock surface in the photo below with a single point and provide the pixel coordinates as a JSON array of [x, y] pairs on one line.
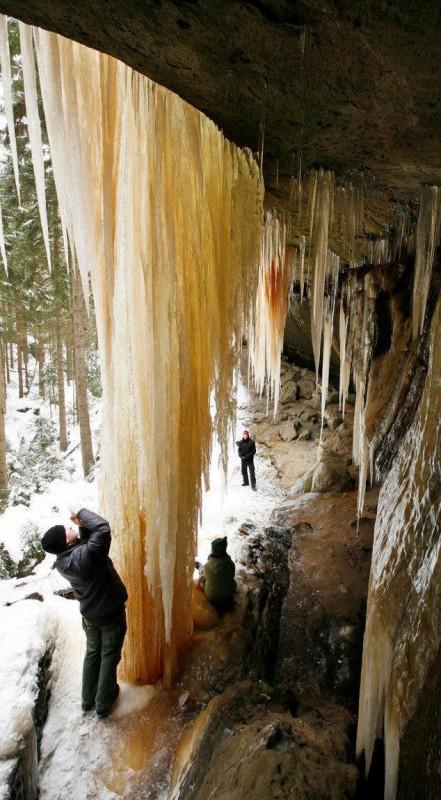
[[248, 746], [322, 620], [298, 624]]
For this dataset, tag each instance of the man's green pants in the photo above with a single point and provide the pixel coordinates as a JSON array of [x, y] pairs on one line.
[[104, 644]]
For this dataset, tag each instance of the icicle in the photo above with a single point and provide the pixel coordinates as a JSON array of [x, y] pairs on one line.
[[344, 369], [428, 238], [328, 329], [2, 243], [267, 332], [322, 213], [302, 266], [174, 274], [5, 61], [34, 128]]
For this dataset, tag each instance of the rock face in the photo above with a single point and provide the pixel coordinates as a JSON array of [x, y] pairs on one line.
[[322, 621], [246, 746], [245, 641]]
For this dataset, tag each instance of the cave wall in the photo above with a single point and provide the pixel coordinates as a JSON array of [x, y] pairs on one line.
[[403, 628], [349, 86]]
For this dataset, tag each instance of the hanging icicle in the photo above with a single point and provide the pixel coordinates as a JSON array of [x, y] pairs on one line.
[[267, 331], [321, 221], [302, 266], [5, 61], [34, 127], [166, 214], [328, 328], [345, 371], [427, 240]]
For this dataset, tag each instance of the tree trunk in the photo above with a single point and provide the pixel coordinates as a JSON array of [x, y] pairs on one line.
[[6, 360], [60, 381], [3, 468], [19, 352], [79, 317], [41, 381], [11, 355], [25, 349]]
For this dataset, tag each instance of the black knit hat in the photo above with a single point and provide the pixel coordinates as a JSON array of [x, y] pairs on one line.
[[219, 547], [54, 540]]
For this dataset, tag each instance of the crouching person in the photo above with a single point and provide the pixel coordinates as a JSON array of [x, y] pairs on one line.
[[84, 561], [217, 576]]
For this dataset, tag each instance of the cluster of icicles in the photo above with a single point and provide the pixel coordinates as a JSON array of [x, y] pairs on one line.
[[166, 216], [314, 268]]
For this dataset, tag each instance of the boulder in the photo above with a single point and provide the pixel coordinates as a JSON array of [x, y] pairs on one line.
[[244, 746], [291, 373], [306, 388], [288, 430], [331, 474], [333, 417], [288, 392]]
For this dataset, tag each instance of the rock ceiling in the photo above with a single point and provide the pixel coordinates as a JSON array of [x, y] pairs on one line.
[[351, 86]]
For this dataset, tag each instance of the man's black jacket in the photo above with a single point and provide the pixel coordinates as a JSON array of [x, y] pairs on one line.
[[89, 570], [246, 448]]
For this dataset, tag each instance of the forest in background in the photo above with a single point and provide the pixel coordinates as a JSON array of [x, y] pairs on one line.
[[48, 340]]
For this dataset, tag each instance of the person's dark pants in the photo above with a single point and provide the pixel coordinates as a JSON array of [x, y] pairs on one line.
[[248, 465], [103, 653]]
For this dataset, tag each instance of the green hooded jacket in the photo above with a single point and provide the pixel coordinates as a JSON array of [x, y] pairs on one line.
[[219, 578]]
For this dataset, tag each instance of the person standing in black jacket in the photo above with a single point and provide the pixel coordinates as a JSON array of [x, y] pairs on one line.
[[84, 561], [247, 450]]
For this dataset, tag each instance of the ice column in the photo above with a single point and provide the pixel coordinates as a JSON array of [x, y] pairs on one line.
[[166, 214], [267, 331]]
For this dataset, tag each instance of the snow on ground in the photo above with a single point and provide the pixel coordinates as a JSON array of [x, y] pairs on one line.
[[27, 630], [228, 504], [77, 748], [51, 506]]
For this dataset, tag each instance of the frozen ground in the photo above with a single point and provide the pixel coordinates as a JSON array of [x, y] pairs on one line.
[[81, 756]]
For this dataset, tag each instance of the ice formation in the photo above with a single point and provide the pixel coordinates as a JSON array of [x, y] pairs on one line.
[[402, 639], [166, 214], [34, 127], [328, 326], [5, 61], [427, 239], [321, 219], [268, 326], [345, 372]]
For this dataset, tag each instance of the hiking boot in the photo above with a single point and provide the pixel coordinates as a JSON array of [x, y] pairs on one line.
[[245, 484], [104, 712], [254, 488]]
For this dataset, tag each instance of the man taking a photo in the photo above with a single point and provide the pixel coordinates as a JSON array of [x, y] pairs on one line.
[[84, 561]]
